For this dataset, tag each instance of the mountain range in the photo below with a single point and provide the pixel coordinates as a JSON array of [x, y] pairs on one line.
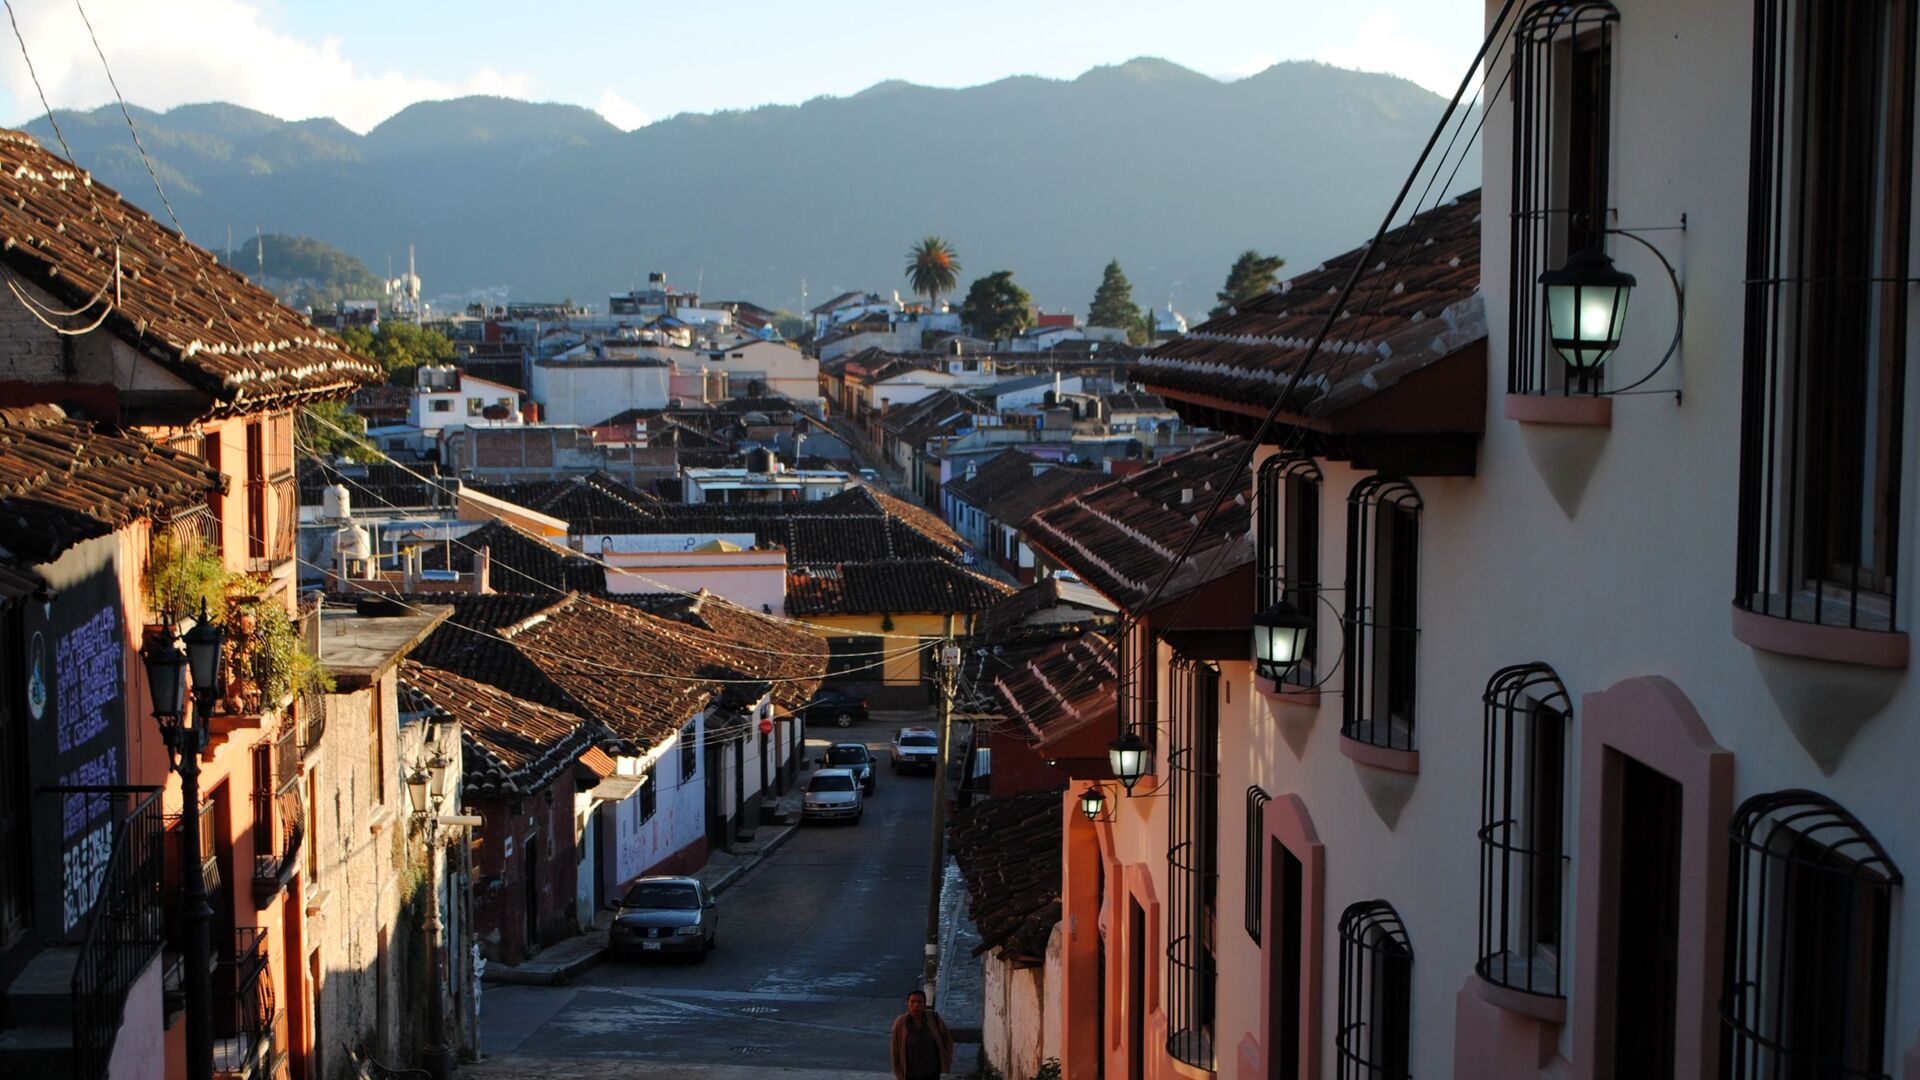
[[1170, 171]]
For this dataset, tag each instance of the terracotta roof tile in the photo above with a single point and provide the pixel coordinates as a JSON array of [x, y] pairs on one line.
[[62, 232], [1120, 537], [511, 747], [520, 562], [1009, 852], [1066, 687], [922, 586], [63, 480]]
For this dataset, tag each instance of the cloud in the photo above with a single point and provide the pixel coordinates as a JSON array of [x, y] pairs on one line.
[[622, 113], [183, 51], [1380, 43], [1252, 65]]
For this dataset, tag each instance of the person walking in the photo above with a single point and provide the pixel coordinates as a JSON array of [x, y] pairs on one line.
[[922, 1045]]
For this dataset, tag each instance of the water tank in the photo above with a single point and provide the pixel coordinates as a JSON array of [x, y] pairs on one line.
[[760, 460], [353, 542], [336, 502]]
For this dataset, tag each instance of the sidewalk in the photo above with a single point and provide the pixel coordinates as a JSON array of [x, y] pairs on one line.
[[561, 962]]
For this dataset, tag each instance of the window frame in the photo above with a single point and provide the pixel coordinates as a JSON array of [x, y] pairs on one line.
[[1373, 948], [649, 804], [1193, 834], [1524, 704], [1777, 839], [1383, 586], [1290, 494], [1256, 857], [690, 751], [1555, 42]]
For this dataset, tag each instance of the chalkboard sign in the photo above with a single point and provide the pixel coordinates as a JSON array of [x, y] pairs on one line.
[[76, 735]]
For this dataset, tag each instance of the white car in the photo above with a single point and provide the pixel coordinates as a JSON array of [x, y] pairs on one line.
[[832, 793], [915, 748]]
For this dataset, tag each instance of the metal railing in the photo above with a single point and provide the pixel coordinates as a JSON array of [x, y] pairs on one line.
[[125, 928], [243, 1008]]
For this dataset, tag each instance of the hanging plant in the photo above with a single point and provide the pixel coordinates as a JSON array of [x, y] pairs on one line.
[[267, 658], [182, 575]]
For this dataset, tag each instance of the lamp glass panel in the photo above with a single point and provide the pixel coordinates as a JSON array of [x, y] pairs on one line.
[[417, 792], [167, 681]]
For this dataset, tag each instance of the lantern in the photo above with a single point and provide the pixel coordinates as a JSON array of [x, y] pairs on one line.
[[1092, 802], [1280, 639], [166, 679], [1587, 310], [1128, 756], [204, 651]]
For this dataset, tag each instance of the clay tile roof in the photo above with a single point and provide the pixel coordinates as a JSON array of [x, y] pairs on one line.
[[587, 503], [63, 232], [1018, 501], [1008, 849], [520, 562], [511, 747], [1417, 303], [917, 586], [1120, 537], [791, 659], [63, 480], [939, 413], [984, 478], [1066, 687], [922, 520]]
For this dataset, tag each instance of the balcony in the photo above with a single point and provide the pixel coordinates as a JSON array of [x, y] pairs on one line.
[[243, 1009], [279, 819]]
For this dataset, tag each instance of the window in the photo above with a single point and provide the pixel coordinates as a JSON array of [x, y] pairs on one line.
[[1826, 326], [649, 795], [1383, 554], [1808, 939], [1562, 92], [689, 751], [1289, 545], [1523, 829], [1372, 1039], [256, 490], [439, 405], [1256, 846], [1136, 682], [376, 749], [1193, 831], [476, 406]]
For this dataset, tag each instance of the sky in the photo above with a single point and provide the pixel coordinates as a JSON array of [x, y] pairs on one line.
[[361, 61]]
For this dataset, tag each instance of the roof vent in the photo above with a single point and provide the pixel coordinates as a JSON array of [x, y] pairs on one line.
[[1186, 496]]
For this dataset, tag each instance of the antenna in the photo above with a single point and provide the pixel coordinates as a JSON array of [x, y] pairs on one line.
[[260, 249], [229, 247]]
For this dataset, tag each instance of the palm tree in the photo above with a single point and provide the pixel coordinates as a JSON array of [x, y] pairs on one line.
[[932, 269]]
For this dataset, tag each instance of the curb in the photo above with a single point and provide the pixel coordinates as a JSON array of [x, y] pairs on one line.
[[726, 881]]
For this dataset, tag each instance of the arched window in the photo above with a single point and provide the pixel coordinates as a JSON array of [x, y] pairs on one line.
[[1288, 559], [1257, 800], [1810, 904], [1382, 624], [1562, 86], [1373, 1039], [1523, 829], [1193, 857]]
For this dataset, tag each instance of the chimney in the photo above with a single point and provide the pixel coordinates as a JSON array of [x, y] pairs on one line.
[[483, 570]]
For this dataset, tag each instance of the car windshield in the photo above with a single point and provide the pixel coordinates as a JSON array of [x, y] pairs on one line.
[[831, 783], [668, 897], [918, 740], [847, 755]]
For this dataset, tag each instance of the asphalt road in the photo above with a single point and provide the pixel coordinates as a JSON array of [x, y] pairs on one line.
[[818, 946]]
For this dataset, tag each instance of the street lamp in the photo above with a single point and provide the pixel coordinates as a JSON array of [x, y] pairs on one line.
[[1128, 756], [171, 671], [1093, 803], [1587, 311], [427, 791], [1280, 639]]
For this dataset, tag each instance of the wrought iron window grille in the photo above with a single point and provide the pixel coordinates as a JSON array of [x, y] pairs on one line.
[[1828, 282], [1810, 907], [1193, 827], [1381, 621], [1288, 552], [1373, 1034], [1257, 801], [1523, 857]]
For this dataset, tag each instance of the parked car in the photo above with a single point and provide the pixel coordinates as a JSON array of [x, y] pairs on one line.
[[831, 794], [857, 759], [842, 708], [915, 748], [869, 476], [665, 915]]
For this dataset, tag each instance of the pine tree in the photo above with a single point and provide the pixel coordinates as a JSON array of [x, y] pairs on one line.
[[1113, 304], [1252, 275], [996, 307]]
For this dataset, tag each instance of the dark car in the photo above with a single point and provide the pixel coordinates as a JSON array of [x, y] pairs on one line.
[[857, 759], [842, 708], [664, 915]]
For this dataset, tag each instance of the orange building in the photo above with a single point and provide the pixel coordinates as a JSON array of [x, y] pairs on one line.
[[123, 321]]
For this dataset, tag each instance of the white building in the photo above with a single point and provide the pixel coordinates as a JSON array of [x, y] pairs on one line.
[[777, 484], [446, 397]]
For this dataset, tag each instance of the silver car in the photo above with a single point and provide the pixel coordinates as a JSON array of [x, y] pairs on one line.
[[831, 794], [669, 916]]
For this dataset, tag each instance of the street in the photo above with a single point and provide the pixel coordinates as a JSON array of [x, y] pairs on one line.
[[818, 947]]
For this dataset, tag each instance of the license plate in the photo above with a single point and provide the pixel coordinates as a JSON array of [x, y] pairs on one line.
[[650, 946]]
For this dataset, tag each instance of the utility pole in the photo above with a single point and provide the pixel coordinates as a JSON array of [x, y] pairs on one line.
[[937, 871]]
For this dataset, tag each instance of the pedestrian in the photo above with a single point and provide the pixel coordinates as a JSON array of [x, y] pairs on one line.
[[922, 1045]]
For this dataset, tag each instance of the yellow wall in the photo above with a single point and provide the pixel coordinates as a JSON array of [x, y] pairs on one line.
[[903, 660]]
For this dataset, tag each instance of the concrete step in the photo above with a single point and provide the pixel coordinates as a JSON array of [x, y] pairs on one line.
[[42, 994], [36, 1052]]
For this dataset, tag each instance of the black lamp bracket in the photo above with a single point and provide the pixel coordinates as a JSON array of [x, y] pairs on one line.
[[1679, 306]]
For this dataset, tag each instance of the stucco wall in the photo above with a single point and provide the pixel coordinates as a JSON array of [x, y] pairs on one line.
[[587, 394]]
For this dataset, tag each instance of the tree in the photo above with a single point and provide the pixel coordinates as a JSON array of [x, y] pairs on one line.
[[1113, 304], [1252, 275], [996, 307], [331, 431], [932, 269], [399, 346]]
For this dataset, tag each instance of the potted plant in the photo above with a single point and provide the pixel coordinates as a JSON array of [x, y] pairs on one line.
[[181, 577], [267, 658]]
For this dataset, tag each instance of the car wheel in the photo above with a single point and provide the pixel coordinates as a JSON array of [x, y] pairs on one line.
[[845, 719]]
